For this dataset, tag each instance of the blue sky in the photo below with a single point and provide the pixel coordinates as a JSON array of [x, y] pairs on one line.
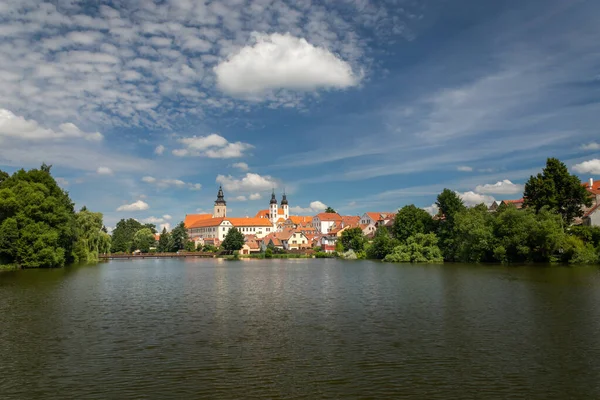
[[143, 108]]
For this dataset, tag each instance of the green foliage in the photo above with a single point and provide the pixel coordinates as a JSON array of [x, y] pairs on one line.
[[575, 251], [588, 234], [473, 235], [269, 253], [165, 243], [234, 240], [179, 237], [330, 210], [322, 254], [209, 248], [352, 238], [152, 227], [339, 247], [382, 244], [143, 240], [411, 220], [122, 235], [38, 224], [449, 205], [190, 246], [557, 190], [418, 248]]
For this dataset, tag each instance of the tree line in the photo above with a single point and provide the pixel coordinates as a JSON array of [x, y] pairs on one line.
[[540, 232], [39, 226]]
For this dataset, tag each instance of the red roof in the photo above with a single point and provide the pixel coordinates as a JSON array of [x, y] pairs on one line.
[[191, 219], [329, 216]]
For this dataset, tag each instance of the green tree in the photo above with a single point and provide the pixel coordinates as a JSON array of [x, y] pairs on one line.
[[411, 220], [418, 248], [3, 176], [164, 242], [234, 240], [143, 240], [122, 235], [190, 246], [473, 235], [179, 237], [152, 227], [91, 241], [557, 190], [382, 244], [330, 210], [353, 238], [449, 204]]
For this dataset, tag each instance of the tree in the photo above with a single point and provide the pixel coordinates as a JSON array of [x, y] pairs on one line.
[[179, 237], [164, 242], [473, 234], [353, 238], [558, 190], [449, 205], [382, 244], [3, 176], [330, 210], [234, 240], [418, 248], [122, 235], [143, 240], [152, 227], [190, 246], [91, 240], [411, 220]]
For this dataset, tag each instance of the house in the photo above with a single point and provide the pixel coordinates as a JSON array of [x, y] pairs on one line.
[[294, 222], [494, 206], [368, 230], [271, 240], [251, 245], [323, 222], [516, 203], [592, 216], [373, 217], [298, 240]]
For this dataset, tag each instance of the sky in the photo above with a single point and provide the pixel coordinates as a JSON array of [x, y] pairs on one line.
[[143, 108]]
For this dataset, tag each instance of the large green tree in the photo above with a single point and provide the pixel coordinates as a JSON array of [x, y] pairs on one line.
[[234, 240], [179, 237], [143, 240], [91, 240], [418, 248], [449, 204], [382, 244], [38, 224], [411, 220], [122, 235], [330, 210], [473, 235], [353, 239], [558, 190]]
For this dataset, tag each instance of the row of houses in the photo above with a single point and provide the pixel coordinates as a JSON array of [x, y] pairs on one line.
[[591, 215]]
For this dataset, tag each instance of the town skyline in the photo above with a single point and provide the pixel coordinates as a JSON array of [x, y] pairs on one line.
[[143, 111]]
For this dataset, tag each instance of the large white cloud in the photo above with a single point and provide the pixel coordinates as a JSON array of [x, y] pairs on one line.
[[471, 198], [211, 146], [313, 208], [251, 182], [588, 167], [501, 187], [136, 206], [282, 61], [17, 127]]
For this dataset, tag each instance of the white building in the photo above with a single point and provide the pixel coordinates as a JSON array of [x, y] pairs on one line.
[[323, 222]]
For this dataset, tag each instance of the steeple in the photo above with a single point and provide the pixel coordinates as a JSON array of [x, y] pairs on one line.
[[220, 197], [273, 199], [284, 201]]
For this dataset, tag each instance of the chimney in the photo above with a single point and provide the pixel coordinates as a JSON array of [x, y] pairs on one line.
[[591, 183]]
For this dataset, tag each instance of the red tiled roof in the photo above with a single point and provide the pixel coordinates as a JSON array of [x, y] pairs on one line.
[[329, 216], [296, 219], [262, 214], [244, 222], [206, 222]]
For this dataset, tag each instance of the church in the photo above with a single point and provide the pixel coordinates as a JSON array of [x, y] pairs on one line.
[[216, 225]]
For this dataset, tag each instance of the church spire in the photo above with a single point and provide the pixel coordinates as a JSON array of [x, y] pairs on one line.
[[220, 197], [284, 201], [273, 199]]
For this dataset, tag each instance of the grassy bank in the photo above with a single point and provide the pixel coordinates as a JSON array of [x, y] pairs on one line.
[[8, 267]]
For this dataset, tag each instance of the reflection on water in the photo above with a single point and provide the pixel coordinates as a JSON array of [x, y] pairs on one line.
[[299, 329]]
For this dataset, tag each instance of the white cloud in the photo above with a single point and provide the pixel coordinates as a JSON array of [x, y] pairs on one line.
[[104, 171], [591, 146], [157, 220], [16, 127], [211, 146], [159, 149], [471, 198], [165, 183], [464, 168], [240, 198], [501, 187], [313, 208], [61, 181], [242, 166], [432, 209], [279, 61], [251, 182], [136, 206], [588, 167], [255, 196]]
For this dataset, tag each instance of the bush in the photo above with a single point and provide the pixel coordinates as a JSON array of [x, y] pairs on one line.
[[268, 253], [322, 254], [418, 248]]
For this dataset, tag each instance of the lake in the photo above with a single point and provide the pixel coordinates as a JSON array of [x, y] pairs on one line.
[[283, 329]]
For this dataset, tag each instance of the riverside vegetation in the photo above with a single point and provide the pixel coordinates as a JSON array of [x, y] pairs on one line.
[[39, 226]]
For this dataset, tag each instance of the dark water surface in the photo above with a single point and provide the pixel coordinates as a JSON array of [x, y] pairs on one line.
[[190, 329]]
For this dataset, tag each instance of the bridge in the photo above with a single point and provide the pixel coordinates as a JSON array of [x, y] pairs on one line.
[[158, 255]]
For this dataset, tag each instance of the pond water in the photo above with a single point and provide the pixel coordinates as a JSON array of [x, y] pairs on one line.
[[192, 328]]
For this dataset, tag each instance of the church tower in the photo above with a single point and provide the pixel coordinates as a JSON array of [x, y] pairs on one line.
[[273, 208], [285, 207], [220, 209]]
